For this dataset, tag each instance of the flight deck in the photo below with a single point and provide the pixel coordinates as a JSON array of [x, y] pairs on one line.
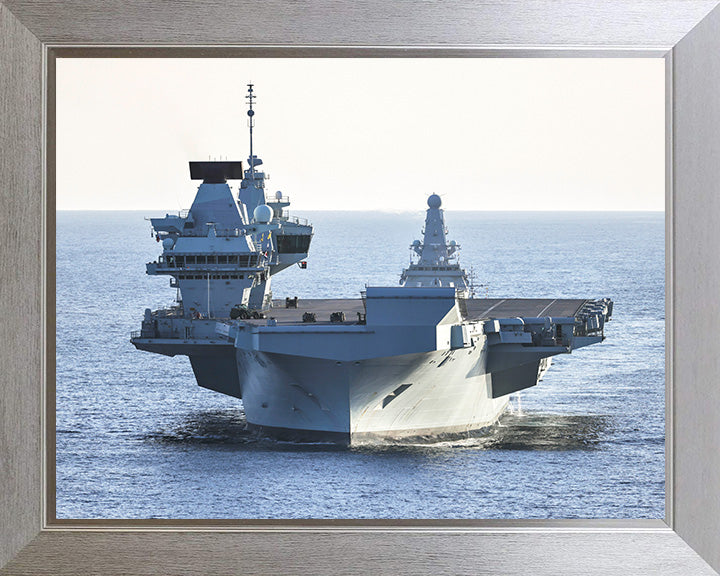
[[472, 309]]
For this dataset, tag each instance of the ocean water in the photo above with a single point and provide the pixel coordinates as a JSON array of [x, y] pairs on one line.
[[137, 438]]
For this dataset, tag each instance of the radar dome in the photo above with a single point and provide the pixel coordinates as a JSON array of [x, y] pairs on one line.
[[263, 214], [168, 243], [416, 243], [434, 201], [278, 195], [453, 243]]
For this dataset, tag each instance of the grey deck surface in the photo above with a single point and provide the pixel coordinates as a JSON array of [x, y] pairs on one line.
[[486, 308], [322, 308], [477, 308]]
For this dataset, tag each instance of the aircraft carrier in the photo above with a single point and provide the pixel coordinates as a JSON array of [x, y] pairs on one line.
[[422, 361]]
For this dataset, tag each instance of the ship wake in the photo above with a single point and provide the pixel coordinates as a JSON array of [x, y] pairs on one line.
[[531, 431]]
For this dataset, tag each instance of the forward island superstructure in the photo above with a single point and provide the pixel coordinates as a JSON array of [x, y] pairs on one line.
[[221, 255], [421, 361]]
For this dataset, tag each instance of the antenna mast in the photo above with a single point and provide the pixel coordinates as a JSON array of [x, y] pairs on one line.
[[250, 97]]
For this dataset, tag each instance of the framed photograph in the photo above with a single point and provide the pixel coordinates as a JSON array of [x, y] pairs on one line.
[[367, 157], [48, 514]]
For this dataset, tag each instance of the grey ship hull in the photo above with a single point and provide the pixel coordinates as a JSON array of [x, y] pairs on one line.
[[442, 394], [448, 374], [404, 398]]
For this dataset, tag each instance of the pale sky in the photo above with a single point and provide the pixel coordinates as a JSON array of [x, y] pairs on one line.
[[367, 134]]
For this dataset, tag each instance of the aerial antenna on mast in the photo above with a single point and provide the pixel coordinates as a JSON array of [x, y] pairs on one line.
[[251, 122]]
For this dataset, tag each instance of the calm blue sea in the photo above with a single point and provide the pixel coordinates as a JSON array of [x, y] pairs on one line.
[[137, 438]]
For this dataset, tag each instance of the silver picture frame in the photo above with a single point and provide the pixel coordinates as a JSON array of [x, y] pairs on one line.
[[685, 33]]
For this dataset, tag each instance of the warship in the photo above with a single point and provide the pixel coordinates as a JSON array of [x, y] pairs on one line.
[[424, 360]]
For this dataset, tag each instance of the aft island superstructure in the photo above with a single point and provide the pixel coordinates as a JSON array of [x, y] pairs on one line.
[[419, 361]]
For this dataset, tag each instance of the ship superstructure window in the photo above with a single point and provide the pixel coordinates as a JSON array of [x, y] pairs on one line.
[[248, 260], [293, 243], [212, 259], [222, 259], [190, 259]]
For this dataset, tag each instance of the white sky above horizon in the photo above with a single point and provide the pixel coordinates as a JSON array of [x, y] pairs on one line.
[[367, 134]]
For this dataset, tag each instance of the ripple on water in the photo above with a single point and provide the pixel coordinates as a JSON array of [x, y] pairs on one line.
[[527, 431]]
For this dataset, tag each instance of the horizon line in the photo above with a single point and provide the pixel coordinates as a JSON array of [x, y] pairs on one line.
[[386, 211]]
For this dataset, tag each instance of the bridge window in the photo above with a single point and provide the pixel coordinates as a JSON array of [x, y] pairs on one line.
[[293, 243], [222, 259], [201, 259], [190, 259], [212, 259]]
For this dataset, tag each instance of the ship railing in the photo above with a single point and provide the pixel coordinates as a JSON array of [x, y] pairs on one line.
[[136, 334], [184, 213], [449, 267], [174, 312], [229, 232], [274, 200], [297, 220]]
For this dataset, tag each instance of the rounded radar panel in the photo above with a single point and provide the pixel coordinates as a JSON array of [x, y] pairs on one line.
[[168, 243], [278, 195], [453, 243], [416, 243], [251, 113], [434, 201], [263, 214]]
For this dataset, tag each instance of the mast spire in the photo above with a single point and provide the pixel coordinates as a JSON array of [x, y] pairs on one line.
[[250, 97]]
